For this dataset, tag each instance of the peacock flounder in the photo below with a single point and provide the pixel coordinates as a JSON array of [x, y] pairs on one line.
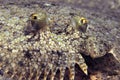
[[29, 51]]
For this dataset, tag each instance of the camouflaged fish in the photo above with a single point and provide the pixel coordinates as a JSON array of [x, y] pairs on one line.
[[48, 41]]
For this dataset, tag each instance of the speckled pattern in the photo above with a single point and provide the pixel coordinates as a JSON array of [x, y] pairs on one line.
[[58, 47]]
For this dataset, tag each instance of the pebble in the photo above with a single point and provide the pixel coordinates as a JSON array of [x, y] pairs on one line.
[[2, 54], [14, 51]]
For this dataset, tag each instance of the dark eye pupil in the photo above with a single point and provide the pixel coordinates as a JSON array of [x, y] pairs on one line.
[[82, 21], [35, 17]]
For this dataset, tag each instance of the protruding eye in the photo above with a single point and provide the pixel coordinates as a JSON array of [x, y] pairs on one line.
[[83, 20], [33, 16]]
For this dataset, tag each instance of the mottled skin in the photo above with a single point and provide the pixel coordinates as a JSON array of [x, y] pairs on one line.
[[81, 22], [50, 53], [23, 60]]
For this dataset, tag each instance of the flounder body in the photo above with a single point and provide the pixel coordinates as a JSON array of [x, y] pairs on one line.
[[59, 47]]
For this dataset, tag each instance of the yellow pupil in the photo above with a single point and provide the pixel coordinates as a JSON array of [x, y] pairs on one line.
[[84, 21]]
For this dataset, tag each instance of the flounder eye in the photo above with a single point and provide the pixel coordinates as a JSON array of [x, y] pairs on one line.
[[81, 23], [33, 16], [83, 20]]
